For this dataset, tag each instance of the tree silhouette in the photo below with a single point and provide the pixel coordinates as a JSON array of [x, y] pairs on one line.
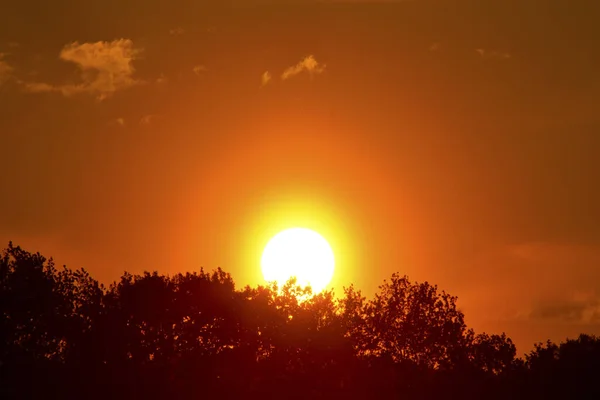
[[409, 322], [568, 369], [64, 335]]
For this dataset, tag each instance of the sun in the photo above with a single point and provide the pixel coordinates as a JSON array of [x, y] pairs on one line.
[[300, 253]]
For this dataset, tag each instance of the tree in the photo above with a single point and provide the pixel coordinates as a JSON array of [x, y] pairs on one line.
[[44, 311], [195, 335], [568, 369], [494, 354], [409, 322]]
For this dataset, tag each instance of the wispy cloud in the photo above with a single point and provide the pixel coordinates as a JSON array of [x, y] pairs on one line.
[[493, 54], [308, 64], [265, 78], [5, 69], [106, 67], [118, 122], [581, 307], [38, 87], [570, 293], [162, 79], [198, 69], [177, 31], [148, 119], [538, 281], [434, 47]]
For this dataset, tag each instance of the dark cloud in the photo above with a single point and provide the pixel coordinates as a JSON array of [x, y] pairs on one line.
[[569, 312], [581, 311]]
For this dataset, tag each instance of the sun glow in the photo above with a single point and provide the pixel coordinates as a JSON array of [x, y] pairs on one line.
[[300, 253]]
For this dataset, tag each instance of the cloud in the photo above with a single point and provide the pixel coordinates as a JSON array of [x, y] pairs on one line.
[[265, 78], [5, 69], [148, 119], [120, 122], [162, 79], [38, 87], [493, 54], [581, 307], [557, 254], [198, 69], [177, 31], [308, 64], [434, 47], [537, 290], [106, 67]]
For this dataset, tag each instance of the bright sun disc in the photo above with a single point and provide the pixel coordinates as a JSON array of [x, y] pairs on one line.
[[300, 253]]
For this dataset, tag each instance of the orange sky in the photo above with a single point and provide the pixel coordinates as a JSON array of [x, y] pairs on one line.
[[455, 142]]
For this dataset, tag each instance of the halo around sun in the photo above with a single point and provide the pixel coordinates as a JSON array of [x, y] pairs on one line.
[[300, 253]]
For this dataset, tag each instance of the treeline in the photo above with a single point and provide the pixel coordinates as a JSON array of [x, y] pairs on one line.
[[65, 336]]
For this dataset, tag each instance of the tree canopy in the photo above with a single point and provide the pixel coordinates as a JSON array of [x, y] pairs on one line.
[[64, 335]]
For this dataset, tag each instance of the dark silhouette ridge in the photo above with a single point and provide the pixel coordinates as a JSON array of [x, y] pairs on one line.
[[150, 336]]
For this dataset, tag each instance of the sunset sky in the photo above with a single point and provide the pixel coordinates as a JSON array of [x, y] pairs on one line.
[[457, 142]]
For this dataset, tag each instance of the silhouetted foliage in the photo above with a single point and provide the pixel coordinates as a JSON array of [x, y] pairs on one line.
[[194, 335]]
